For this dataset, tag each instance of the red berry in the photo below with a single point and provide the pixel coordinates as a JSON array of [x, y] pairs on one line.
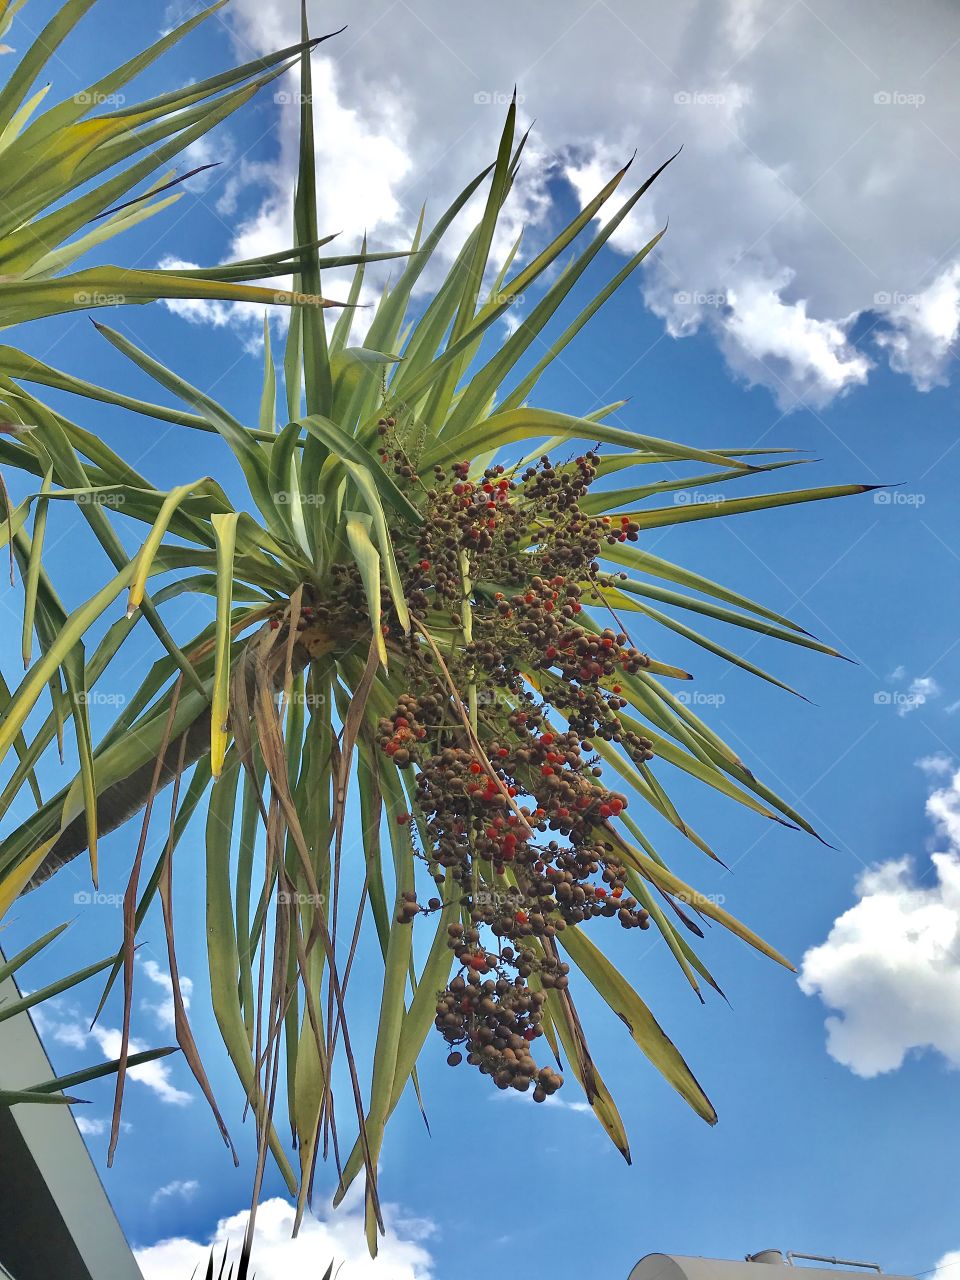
[[403, 819]]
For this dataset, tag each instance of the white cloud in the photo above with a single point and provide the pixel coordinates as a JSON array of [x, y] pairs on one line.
[[943, 808], [555, 1102], [770, 339], [937, 764], [890, 966], [195, 310], [67, 1029], [163, 1010], [97, 1126], [214, 153], [91, 1127], [403, 1253], [947, 1267], [809, 138], [919, 691], [923, 329], [176, 1190]]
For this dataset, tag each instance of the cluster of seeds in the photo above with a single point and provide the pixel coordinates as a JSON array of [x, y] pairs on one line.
[[495, 1021], [512, 816]]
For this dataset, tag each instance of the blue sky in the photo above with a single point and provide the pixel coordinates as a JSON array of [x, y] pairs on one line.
[[820, 320]]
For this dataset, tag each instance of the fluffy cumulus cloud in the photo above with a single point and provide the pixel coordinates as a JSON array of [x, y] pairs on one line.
[[947, 1266], [936, 765], [277, 1255], [91, 1126], [890, 966], [65, 1027], [813, 136]]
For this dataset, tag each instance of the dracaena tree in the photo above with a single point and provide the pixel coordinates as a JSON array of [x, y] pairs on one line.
[[447, 595]]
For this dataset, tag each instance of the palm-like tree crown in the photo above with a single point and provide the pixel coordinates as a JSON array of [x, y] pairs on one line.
[[440, 595]]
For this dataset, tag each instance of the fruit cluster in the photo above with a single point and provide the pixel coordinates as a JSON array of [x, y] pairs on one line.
[[496, 1021], [511, 815]]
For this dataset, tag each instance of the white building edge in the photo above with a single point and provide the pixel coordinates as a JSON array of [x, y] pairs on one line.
[[56, 1222]]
